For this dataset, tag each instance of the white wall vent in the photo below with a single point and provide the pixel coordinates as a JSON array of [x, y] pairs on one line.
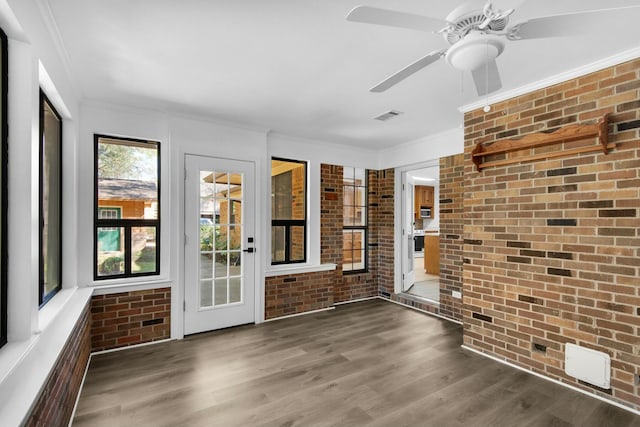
[[388, 115], [591, 366]]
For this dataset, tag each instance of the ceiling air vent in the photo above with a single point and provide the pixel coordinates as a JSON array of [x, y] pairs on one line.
[[388, 115]]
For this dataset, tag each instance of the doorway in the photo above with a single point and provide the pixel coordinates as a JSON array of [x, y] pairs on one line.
[[219, 247], [421, 253]]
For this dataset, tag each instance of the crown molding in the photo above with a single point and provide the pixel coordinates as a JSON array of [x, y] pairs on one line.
[[56, 37], [598, 65]]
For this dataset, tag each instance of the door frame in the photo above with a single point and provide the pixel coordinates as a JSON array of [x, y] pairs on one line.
[[232, 314], [398, 218], [206, 149]]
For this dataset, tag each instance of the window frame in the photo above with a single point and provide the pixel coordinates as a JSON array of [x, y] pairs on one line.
[[126, 223], [42, 299], [364, 228], [4, 149], [289, 223]]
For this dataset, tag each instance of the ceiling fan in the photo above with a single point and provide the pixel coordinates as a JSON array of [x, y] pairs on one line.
[[478, 34]]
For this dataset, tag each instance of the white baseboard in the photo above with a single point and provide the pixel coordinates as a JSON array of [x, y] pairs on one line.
[[84, 377], [356, 300], [144, 344], [300, 314], [544, 377]]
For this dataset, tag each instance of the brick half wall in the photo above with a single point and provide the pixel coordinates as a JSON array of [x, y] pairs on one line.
[[56, 400], [128, 318]]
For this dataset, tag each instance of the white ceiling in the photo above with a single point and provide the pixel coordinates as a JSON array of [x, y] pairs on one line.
[[298, 67]]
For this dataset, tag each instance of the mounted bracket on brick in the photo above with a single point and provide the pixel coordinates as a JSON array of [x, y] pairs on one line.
[[540, 139]]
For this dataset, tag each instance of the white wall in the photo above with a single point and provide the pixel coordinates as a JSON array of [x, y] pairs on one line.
[[429, 148], [125, 122]]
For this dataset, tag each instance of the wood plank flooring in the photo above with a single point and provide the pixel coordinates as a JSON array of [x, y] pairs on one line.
[[371, 363]]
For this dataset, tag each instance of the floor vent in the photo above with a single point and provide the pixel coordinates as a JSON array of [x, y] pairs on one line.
[[388, 115], [590, 366]]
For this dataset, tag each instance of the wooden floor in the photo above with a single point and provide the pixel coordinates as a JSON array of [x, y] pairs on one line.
[[369, 363]]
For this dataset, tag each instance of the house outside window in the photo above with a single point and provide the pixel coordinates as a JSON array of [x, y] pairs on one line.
[[288, 211], [355, 224], [127, 208], [50, 206]]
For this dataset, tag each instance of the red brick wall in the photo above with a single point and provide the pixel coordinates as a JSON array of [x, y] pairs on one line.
[[385, 229], [297, 293], [552, 246], [128, 318], [451, 234], [54, 405], [292, 294]]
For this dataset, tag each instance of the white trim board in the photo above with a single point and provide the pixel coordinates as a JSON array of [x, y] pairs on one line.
[[544, 377], [300, 314], [598, 65]]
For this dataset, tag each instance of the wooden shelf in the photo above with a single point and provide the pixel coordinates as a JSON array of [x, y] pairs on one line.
[[565, 134]]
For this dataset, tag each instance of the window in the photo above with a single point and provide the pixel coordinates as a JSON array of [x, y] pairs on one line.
[[354, 229], [3, 188], [50, 201], [288, 211], [127, 208]]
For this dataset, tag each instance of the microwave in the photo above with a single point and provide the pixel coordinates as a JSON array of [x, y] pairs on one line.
[[425, 212]]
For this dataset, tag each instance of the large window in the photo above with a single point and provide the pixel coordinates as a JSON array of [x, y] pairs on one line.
[[127, 208], [354, 231], [3, 188], [50, 200], [288, 211]]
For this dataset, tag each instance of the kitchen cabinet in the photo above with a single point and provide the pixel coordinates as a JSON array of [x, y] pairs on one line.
[[432, 254], [423, 197]]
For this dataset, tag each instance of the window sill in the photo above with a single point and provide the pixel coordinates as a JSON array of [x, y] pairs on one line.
[[115, 286], [299, 270], [25, 365]]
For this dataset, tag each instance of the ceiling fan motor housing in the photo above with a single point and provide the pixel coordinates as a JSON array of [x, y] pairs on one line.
[[474, 51]]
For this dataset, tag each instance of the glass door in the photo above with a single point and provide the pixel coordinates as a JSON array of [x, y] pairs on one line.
[[219, 248]]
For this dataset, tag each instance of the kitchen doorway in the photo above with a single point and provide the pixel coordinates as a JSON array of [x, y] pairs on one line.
[[421, 256]]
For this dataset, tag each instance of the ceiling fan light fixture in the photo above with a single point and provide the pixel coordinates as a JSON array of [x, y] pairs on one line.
[[474, 51]]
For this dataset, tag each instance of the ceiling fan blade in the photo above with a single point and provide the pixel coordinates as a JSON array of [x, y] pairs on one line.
[[392, 18], [407, 71], [487, 78], [571, 23], [505, 5]]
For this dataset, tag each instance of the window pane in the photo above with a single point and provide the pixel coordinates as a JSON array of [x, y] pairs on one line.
[[235, 289], [206, 293], [220, 292], [50, 203], [277, 243], [360, 215], [128, 177], [143, 249], [110, 251], [349, 213], [288, 187], [347, 250], [297, 244], [206, 265], [353, 250]]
